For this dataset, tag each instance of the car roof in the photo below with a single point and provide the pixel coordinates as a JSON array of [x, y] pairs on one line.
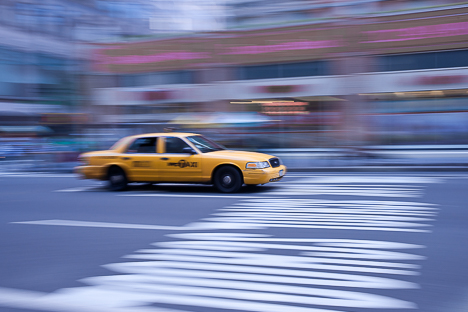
[[166, 134]]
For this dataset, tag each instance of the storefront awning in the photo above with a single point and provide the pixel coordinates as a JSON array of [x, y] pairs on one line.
[[25, 129], [220, 120]]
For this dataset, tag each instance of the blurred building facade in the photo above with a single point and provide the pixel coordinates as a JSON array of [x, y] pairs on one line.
[[45, 52], [272, 74], [261, 13], [390, 77], [182, 16]]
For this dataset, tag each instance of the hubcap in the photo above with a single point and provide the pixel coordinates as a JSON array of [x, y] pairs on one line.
[[227, 180], [116, 178]]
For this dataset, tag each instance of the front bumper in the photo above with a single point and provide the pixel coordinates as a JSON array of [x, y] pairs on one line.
[[262, 176]]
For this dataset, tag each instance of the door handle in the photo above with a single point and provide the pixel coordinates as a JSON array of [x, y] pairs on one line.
[[164, 158], [126, 158]]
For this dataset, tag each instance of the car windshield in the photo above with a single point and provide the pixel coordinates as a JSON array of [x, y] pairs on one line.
[[205, 145]]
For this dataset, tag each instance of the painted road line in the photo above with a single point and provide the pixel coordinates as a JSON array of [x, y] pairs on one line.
[[102, 225], [214, 290], [89, 188], [346, 179], [192, 226], [36, 175], [194, 196], [395, 216], [260, 272], [60, 302], [307, 190]]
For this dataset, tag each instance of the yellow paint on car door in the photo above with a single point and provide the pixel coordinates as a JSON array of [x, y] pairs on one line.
[[140, 159], [177, 164]]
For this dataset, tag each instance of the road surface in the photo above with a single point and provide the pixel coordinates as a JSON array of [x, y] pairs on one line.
[[311, 243]]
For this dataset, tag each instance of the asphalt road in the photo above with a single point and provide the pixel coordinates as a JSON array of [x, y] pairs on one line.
[[311, 243]]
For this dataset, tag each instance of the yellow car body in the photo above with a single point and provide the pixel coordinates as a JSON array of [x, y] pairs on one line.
[[178, 157]]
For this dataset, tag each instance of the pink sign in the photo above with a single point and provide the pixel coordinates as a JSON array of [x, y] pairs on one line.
[[416, 33], [437, 80], [143, 59], [286, 46]]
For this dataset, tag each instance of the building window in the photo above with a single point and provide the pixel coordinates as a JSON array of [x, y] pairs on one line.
[[415, 61], [151, 79], [284, 70]]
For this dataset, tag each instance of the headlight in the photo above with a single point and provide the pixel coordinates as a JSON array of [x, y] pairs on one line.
[[257, 165]]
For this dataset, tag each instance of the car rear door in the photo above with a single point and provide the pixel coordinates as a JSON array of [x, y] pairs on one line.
[[140, 159]]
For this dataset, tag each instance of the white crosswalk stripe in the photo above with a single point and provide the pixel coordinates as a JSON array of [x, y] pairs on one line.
[[221, 263]]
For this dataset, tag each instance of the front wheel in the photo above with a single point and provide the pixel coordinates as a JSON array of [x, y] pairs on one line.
[[117, 179], [227, 180]]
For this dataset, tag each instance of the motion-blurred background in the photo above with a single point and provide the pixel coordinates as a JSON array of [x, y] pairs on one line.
[[252, 74]]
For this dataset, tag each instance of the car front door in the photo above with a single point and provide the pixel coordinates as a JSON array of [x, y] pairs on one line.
[[179, 162]]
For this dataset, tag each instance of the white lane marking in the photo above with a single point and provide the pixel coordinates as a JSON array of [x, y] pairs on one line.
[[330, 214], [330, 221], [344, 179], [332, 252], [346, 246], [262, 274], [310, 185], [244, 237], [83, 188], [260, 260], [123, 296], [217, 275], [37, 175], [33, 300], [303, 189], [323, 217], [204, 226], [192, 195], [102, 225], [63, 302], [327, 227], [355, 185], [248, 290], [228, 270]]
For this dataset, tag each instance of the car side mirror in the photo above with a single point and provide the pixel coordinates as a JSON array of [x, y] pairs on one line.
[[188, 150]]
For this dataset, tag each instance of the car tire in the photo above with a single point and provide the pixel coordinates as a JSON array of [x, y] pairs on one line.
[[117, 179], [227, 179]]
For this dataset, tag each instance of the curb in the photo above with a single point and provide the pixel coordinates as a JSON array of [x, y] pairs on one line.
[[388, 168], [381, 169]]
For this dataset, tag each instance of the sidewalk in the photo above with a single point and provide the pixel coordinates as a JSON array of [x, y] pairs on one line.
[[376, 158], [372, 158]]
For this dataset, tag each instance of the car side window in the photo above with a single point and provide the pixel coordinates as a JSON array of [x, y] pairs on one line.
[[175, 145], [143, 145]]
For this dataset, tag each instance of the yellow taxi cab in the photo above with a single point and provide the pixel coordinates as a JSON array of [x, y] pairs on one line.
[[178, 157]]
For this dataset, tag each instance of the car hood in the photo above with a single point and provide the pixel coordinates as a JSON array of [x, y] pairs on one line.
[[239, 155]]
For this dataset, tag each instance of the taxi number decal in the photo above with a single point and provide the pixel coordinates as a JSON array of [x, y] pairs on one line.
[[183, 164], [142, 164]]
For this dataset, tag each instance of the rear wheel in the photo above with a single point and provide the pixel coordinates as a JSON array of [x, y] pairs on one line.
[[117, 179], [227, 179]]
